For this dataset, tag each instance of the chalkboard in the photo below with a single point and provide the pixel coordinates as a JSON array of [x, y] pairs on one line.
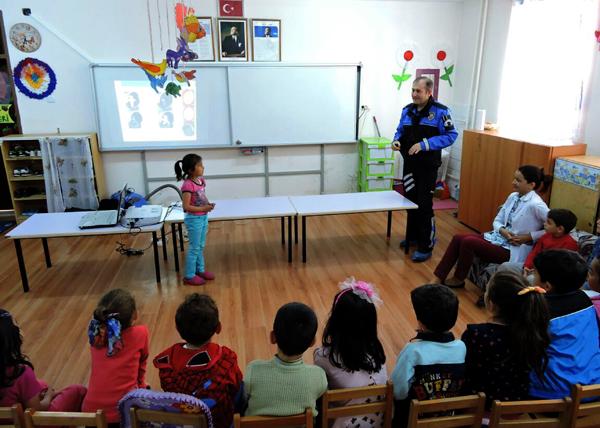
[[228, 105]]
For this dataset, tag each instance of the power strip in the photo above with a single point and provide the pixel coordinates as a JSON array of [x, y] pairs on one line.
[[132, 252]]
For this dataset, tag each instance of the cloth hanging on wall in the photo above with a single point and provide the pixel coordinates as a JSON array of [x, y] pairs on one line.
[[69, 174]]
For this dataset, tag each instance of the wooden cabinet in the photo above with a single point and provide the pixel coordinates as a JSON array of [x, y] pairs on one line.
[[27, 174], [576, 186], [7, 98], [489, 160]]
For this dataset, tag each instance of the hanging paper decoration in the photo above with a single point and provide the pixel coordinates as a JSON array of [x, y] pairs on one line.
[[190, 30], [5, 114], [185, 76], [34, 78], [183, 53], [181, 11], [173, 89]]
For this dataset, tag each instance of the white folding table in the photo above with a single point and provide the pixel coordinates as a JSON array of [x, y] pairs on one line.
[[240, 209], [349, 203], [61, 225]]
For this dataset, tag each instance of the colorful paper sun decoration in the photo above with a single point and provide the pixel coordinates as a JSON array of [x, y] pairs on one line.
[[34, 78]]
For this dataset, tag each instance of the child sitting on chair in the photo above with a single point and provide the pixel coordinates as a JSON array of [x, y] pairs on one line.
[[352, 355], [18, 382], [284, 385], [432, 365], [573, 354], [559, 223], [119, 351], [200, 367]]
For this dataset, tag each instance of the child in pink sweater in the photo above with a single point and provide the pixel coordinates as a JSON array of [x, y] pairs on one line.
[[119, 353], [18, 383]]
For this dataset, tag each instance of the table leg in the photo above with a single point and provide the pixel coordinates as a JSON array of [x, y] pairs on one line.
[[303, 239], [296, 229], [389, 226], [289, 239], [21, 262], [406, 247], [174, 239], [46, 252], [282, 230], [180, 237], [164, 242], [156, 266]]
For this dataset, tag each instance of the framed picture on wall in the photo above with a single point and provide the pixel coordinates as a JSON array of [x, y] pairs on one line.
[[433, 74], [233, 39], [266, 40], [205, 46]]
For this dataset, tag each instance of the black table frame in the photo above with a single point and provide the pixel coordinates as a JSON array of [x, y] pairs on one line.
[[23, 269], [177, 225], [388, 233]]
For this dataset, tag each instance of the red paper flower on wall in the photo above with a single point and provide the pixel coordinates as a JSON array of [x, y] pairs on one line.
[[400, 78], [441, 56]]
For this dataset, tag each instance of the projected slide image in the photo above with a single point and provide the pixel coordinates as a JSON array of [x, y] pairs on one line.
[[145, 115]]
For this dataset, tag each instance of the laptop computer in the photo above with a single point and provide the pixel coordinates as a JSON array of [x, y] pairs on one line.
[[104, 218]]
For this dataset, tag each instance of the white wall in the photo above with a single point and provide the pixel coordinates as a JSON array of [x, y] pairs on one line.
[[367, 31], [591, 124]]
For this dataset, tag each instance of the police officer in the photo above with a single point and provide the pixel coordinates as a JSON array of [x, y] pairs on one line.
[[425, 128]]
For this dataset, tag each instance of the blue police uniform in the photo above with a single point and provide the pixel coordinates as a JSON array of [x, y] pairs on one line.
[[433, 129]]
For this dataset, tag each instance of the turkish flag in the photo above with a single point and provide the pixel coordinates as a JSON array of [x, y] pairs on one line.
[[231, 8]]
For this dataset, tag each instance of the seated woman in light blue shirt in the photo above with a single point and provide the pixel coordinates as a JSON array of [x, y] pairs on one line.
[[517, 225]]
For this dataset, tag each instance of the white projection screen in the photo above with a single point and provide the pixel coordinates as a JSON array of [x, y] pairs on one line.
[[237, 104]]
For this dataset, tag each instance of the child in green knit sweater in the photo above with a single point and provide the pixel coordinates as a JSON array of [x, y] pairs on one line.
[[284, 385]]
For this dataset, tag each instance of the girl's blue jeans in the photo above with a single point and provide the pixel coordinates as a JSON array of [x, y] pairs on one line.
[[197, 228]]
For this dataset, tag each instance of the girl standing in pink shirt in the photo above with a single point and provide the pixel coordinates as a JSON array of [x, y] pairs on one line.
[[196, 207], [18, 383], [119, 353]]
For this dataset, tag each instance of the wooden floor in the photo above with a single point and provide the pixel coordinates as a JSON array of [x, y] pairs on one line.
[[253, 281]]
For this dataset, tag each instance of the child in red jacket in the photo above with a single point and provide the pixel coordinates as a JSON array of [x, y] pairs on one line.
[[558, 225], [200, 367]]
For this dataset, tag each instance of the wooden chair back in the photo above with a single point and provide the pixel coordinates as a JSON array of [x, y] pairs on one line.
[[467, 412], [69, 419], [305, 419], [143, 415], [382, 401], [585, 414], [548, 413], [14, 415]]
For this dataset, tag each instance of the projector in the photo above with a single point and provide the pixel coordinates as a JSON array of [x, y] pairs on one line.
[[145, 215]]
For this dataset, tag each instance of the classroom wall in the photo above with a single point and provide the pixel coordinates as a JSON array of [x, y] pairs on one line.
[[373, 32], [591, 124]]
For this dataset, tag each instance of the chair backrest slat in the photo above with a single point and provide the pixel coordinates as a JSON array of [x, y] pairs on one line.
[[13, 414], [381, 396], [35, 419], [550, 413], [305, 419], [469, 412], [585, 414], [142, 415]]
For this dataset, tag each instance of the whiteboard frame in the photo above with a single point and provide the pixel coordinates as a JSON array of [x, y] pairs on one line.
[[223, 65]]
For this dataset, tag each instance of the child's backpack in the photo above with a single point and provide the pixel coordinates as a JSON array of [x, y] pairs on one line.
[[131, 198]]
